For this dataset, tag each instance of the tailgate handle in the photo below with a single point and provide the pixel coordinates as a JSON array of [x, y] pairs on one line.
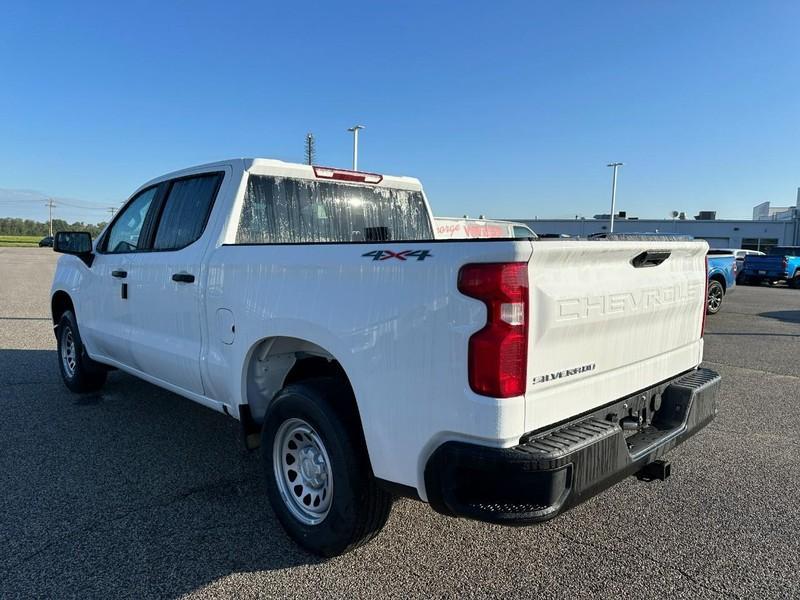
[[650, 258], [183, 277]]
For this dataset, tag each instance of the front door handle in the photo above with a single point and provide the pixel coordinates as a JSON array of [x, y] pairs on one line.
[[183, 277], [119, 274]]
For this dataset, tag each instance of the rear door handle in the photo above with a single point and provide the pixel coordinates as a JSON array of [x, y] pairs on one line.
[[183, 277], [119, 274]]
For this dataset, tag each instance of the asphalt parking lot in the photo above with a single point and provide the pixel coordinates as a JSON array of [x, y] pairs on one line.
[[136, 492]]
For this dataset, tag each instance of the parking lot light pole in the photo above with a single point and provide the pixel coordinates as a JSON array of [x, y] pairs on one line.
[[355, 129], [615, 165]]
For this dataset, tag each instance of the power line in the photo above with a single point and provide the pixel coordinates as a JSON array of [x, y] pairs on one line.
[[70, 204]]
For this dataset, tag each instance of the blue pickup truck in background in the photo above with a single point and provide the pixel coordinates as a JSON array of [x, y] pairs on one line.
[[782, 263], [721, 278]]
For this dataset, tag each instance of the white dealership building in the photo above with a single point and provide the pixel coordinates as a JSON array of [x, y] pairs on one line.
[[770, 226]]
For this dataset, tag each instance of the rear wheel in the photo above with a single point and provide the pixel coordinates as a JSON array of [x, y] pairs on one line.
[[715, 296], [794, 282], [80, 373], [318, 475]]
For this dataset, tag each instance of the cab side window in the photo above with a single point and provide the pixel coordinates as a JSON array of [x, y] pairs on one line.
[[125, 233], [186, 210]]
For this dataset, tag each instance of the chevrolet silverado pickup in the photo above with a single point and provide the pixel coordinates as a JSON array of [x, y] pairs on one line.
[[504, 380], [781, 263]]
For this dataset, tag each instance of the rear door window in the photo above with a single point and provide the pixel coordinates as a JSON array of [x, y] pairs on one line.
[[186, 210], [279, 210]]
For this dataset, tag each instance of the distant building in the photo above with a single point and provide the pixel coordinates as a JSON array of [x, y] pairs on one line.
[[774, 227], [765, 211], [620, 215], [719, 233], [770, 226]]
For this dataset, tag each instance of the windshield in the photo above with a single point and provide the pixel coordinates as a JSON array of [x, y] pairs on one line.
[[280, 210]]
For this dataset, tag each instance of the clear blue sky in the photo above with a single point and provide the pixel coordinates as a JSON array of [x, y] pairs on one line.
[[511, 109]]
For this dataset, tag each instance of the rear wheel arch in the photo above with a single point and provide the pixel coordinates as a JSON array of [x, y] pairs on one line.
[[721, 279], [275, 362]]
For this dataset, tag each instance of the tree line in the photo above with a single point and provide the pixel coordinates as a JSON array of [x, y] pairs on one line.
[[16, 226]]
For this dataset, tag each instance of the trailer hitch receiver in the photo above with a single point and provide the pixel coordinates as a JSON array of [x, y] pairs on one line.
[[658, 469]]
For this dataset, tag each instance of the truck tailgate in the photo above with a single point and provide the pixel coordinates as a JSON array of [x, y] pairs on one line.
[[764, 265], [609, 318]]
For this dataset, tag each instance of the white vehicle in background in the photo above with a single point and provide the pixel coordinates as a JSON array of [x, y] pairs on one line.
[[454, 228], [739, 254], [505, 380]]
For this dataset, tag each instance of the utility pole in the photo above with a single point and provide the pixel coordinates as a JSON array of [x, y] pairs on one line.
[[50, 204], [112, 210], [615, 165], [355, 129], [311, 151]]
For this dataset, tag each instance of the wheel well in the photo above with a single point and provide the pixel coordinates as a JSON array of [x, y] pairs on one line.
[[277, 362], [60, 303], [718, 277]]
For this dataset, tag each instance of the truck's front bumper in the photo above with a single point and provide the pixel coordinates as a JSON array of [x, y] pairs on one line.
[[551, 471]]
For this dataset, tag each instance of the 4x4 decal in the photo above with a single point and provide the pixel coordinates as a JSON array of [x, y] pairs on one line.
[[402, 255]]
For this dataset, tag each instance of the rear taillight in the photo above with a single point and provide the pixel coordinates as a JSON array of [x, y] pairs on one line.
[[705, 304], [498, 353], [785, 263]]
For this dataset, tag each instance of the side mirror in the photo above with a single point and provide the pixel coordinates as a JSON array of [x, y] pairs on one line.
[[78, 243]]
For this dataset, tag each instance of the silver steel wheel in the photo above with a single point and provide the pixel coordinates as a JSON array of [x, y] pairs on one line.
[[302, 471], [69, 357], [714, 298]]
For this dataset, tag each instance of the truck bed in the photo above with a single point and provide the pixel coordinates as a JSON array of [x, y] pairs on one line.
[[392, 315]]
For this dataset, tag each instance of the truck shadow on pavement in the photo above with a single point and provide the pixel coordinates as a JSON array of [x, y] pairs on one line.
[[789, 316], [132, 490]]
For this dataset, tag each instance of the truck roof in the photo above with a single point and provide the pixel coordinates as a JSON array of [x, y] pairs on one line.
[[280, 168]]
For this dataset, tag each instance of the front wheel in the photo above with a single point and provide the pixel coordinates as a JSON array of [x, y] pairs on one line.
[[80, 373], [317, 471], [715, 296]]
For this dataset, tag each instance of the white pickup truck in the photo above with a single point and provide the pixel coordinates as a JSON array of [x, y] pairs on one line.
[[497, 379]]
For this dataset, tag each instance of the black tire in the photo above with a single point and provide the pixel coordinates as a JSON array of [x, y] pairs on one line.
[[80, 373], [794, 282], [742, 279], [358, 507], [716, 293]]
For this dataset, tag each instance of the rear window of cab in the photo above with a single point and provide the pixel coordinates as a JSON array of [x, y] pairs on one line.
[[279, 210]]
